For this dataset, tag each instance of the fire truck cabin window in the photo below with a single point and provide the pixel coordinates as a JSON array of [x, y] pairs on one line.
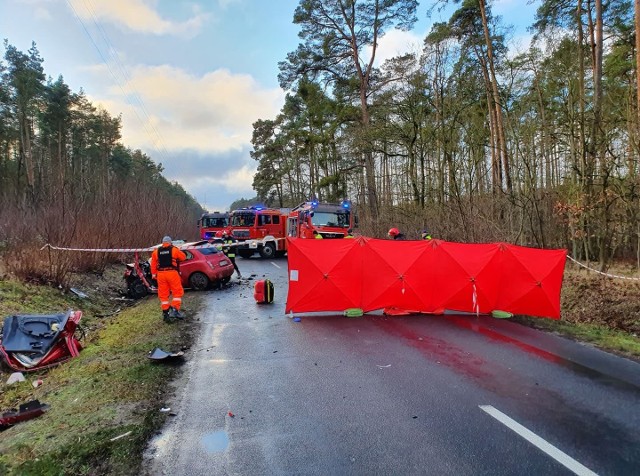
[[340, 220], [265, 220], [214, 222], [243, 219]]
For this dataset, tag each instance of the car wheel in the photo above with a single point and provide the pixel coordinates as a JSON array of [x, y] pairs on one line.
[[137, 289], [199, 281], [268, 251]]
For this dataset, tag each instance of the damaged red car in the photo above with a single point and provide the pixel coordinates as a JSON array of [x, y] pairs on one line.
[[204, 266]]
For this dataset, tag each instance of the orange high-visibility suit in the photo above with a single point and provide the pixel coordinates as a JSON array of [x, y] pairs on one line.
[[164, 265]]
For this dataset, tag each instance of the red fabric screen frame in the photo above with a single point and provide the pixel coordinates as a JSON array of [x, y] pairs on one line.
[[423, 276]]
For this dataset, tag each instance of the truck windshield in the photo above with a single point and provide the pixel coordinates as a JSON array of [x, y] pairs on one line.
[[339, 220], [243, 219], [218, 222]]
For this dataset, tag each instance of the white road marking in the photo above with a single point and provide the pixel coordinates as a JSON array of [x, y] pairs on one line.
[[561, 457], [275, 265]]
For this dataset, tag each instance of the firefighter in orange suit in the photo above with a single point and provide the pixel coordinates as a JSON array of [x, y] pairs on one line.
[[164, 268]]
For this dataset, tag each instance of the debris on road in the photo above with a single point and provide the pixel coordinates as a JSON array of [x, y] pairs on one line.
[[34, 342], [15, 377], [79, 293], [120, 436], [159, 354], [26, 411]]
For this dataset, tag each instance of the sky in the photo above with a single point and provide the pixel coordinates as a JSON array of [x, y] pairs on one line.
[[189, 78]]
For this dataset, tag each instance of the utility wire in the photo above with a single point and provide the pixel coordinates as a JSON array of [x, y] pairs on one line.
[[126, 76], [115, 78]]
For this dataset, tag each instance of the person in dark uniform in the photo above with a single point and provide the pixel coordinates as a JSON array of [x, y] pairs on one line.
[[230, 248]]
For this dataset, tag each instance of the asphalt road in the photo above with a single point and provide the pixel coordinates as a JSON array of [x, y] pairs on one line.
[[380, 395]]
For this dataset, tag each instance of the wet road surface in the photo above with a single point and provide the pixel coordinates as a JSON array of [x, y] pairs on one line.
[[378, 395]]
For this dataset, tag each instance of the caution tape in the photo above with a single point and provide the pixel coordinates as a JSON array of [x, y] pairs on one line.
[[602, 273], [125, 250]]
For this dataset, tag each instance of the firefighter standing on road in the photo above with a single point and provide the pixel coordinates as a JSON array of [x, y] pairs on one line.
[[317, 235], [349, 233], [164, 268], [425, 235], [229, 248]]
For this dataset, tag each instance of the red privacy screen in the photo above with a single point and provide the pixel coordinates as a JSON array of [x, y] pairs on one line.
[[423, 276]]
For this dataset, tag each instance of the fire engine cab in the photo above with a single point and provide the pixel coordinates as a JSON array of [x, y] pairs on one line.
[[259, 229], [265, 230], [331, 220], [210, 223]]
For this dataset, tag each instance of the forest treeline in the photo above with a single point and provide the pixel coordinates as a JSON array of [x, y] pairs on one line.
[[464, 136], [67, 179]]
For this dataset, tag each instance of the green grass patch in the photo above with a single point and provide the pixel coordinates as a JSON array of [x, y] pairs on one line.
[[599, 336], [109, 389]]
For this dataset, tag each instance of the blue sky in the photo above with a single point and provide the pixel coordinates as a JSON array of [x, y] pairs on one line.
[[188, 77]]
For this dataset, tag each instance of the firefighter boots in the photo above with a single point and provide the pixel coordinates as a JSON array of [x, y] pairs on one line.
[[176, 314]]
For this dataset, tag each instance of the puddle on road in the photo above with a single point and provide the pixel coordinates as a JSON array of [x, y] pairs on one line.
[[216, 441]]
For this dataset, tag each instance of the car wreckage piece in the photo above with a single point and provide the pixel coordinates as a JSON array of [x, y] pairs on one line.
[[35, 342], [26, 411]]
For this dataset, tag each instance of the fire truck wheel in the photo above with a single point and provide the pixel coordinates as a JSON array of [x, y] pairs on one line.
[[199, 281], [268, 251]]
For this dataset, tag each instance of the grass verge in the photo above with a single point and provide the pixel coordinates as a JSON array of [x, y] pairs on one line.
[[109, 390], [619, 342]]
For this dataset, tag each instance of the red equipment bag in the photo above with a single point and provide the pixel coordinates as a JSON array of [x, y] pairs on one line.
[[263, 291]]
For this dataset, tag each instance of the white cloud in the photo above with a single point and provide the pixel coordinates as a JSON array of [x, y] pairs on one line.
[[198, 127], [237, 181], [210, 113], [395, 43], [520, 44], [42, 13], [137, 15]]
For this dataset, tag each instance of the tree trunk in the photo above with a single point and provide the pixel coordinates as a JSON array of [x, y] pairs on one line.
[[501, 137], [637, 28]]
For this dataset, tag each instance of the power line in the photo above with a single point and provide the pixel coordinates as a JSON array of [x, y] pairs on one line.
[[125, 75], [163, 153]]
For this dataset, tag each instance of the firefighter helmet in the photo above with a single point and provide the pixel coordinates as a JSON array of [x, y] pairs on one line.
[[218, 234], [393, 232]]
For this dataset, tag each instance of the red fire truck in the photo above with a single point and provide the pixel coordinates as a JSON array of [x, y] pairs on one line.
[[265, 230], [259, 229], [210, 223], [331, 220]]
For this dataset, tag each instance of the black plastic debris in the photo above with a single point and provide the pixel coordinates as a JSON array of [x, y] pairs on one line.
[[159, 354], [26, 411]]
